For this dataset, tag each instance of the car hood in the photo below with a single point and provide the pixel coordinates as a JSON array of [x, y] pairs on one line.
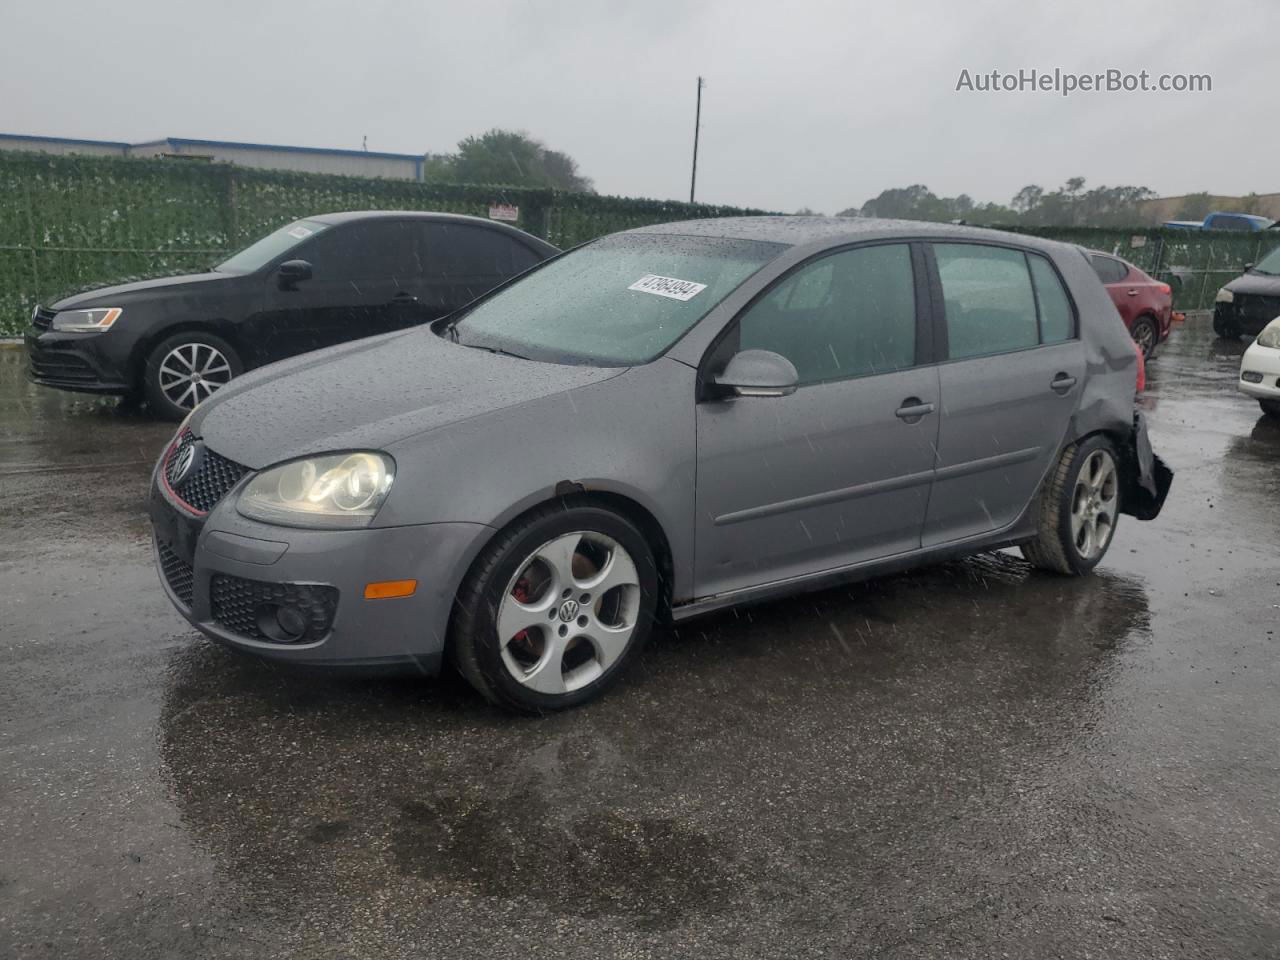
[[370, 394], [122, 294], [1256, 283]]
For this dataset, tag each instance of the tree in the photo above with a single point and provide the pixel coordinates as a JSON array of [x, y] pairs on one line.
[[508, 157]]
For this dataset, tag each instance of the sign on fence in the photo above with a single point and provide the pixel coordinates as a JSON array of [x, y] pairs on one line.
[[504, 211]]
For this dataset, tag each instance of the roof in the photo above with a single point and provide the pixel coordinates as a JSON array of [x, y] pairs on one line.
[[282, 148], [71, 141], [799, 231], [235, 144], [346, 216]]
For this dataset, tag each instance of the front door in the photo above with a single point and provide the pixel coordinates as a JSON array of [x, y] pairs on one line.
[[364, 281], [1012, 383], [840, 471]]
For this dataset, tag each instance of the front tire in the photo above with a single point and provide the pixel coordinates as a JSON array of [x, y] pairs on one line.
[[186, 369], [553, 610], [1078, 510], [1270, 407], [1226, 327]]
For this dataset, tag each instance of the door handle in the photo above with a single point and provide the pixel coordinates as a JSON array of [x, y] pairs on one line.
[[912, 409], [1133, 293], [1062, 384], [403, 297]]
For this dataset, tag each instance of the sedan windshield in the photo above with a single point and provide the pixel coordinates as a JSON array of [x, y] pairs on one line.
[[258, 255], [619, 301], [1270, 264]]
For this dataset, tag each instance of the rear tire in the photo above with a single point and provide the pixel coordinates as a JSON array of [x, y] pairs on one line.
[[554, 608], [1270, 407], [1078, 509], [186, 369], [1145, 335]]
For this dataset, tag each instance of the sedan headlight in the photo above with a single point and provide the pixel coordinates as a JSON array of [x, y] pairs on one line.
[[93, 320], [335, 491], [1224, 296], [1270, 335]]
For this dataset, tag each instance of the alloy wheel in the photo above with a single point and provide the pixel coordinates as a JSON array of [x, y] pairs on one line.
[[1094, 504], [569, 612], [192, 372], [1144, 335]]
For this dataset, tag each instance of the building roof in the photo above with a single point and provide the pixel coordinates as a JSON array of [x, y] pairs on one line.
[[235, 144], [29, 138]]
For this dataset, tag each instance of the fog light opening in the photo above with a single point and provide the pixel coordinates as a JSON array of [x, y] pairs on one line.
[[281, 622]]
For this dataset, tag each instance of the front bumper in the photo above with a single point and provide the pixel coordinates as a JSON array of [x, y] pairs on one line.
[[224, 552], [71, 361], [1260, 373]]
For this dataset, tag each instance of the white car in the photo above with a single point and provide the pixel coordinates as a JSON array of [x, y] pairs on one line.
[[1260, 369]]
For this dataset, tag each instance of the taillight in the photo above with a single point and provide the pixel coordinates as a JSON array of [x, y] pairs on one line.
[[1142, 369], [1166, 289]]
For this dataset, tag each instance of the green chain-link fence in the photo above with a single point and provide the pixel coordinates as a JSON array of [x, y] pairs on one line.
[[70, 223]]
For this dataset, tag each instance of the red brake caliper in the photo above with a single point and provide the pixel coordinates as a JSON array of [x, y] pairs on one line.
[[521, 594]]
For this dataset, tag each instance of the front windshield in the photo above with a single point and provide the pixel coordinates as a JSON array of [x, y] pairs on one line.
[[619, 301], [259, 254], [1270, 264]]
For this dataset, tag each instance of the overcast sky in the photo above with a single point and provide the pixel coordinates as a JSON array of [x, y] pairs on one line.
[[807, 103]]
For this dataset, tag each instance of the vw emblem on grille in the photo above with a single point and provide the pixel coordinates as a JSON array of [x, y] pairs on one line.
[[186, 459], [568, 610]]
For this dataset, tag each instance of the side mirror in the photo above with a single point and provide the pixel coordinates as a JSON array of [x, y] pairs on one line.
[[758, 373], [1247, 268], [292, 272]]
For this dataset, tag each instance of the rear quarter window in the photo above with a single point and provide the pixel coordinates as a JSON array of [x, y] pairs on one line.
[[1057, 318]]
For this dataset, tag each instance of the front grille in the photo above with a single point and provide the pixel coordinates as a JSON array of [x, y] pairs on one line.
[[208, 479], [253, 609], [177, 572], [57, 365], [42, 319]]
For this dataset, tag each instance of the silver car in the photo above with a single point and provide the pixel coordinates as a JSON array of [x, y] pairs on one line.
[[658, 424]]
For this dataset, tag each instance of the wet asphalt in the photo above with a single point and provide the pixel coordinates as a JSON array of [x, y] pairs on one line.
[[973, 760]]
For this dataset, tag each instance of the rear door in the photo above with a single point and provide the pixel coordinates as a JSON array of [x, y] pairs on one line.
[[1010, 384], [464, 261], [838, 472]]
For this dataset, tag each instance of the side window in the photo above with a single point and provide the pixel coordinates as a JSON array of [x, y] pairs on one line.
[[460, 250], [1230, 223], [1108, 270], [849, 314], [989, 304], [370, 250], [1057, 320]]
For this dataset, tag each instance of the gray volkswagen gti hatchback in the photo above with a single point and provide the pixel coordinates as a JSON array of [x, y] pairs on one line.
[[658, 424]]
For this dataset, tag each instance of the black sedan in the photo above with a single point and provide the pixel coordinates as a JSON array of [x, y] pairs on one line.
[[313, 283]]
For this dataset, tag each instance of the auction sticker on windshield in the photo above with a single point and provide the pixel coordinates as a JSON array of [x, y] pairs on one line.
[[300, 232], [668, 287]]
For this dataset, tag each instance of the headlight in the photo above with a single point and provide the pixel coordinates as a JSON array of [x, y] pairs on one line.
[[1270, 335], [94, 320], [339, 490], [1224, 296]]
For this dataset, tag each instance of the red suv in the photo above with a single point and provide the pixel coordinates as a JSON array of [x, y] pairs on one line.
[[1145, 305]]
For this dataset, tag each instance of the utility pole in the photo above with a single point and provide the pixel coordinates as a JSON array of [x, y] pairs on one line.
[[697, 122]]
